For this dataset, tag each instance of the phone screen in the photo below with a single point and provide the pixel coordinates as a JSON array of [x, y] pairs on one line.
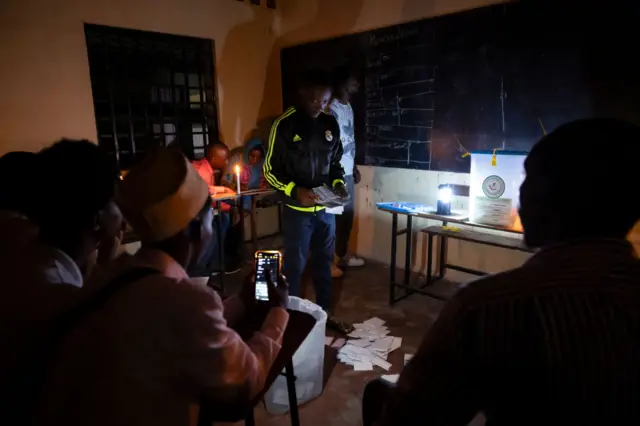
[[266, 260]]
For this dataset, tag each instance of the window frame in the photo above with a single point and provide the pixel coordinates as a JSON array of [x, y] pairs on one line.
[[145, 92]]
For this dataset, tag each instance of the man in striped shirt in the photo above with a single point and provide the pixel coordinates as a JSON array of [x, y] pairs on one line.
[[556, 341]]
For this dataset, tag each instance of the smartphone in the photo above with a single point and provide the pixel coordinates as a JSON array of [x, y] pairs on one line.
[[266, 260]]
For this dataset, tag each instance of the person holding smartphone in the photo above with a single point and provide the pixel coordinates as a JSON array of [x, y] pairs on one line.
[[162, 343]]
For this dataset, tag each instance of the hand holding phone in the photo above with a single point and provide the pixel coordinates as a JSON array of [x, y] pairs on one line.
[[267, 267], [278, 292]]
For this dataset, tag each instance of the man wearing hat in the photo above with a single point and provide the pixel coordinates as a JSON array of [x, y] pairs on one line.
[[161, 342]]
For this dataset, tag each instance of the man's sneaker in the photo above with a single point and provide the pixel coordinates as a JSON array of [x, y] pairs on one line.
[[351, 262], [335, 271], [339, 326]]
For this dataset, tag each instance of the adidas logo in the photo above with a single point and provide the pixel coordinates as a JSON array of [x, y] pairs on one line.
[[297, 138]]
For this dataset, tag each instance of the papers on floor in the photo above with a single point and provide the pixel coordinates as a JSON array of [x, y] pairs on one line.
[[391, 378], [407, 358], [370, 345]]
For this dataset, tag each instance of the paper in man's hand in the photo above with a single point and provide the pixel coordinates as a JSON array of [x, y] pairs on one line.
[[327, 197]]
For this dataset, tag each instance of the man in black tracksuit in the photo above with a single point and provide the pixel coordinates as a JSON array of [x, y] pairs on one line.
[[304, 152]]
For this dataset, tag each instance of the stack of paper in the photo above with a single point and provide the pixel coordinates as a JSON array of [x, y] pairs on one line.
[[371, 345]]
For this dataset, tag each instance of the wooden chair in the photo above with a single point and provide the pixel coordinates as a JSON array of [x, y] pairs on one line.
[[299, 327]]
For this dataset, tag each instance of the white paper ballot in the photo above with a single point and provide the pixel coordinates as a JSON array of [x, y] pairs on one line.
[[374, 322], [335, 210], [391, 378], [362, 366], [380, 363], [397, 342], [383, 344], [363, 343], [407, 358], [338, 343], [369, 344]]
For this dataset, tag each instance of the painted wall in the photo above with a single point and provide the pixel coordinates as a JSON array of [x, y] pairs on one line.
[[44, 71], [308, 20]]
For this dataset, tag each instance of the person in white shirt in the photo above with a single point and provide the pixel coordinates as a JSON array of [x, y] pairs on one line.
[[72, 210], [346, 85]]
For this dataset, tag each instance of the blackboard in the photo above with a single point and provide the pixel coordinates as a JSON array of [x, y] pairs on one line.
[[493, 77]]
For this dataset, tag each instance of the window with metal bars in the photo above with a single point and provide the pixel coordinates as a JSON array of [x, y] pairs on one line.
[[151, 89]]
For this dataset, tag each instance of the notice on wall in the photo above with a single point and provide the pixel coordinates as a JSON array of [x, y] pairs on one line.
[[493, 211]]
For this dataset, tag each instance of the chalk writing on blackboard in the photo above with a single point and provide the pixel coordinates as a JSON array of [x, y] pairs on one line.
[[400, 96], [435, 88]]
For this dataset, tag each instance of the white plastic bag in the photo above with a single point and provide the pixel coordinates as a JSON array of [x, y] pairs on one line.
[[308, 363]]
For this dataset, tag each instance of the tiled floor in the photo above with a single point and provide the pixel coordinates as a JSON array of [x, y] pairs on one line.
[[361, 294]]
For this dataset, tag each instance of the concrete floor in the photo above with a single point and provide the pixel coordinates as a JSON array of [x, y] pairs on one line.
[[361, 294]]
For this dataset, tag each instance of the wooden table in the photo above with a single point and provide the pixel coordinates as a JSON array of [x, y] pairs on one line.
[[443, 235]]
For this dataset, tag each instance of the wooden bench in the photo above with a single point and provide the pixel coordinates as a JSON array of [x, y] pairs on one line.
[[444, 233], [468, 235]]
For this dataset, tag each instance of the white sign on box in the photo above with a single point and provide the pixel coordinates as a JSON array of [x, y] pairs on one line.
[[493, 211]]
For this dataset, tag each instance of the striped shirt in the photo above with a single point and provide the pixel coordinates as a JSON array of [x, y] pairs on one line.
[[556, 341]]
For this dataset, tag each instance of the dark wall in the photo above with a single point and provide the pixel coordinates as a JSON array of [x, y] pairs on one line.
[[488, 78]]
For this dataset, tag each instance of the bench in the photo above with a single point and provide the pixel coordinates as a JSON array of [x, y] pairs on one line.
[[444, 233], [468, 235]]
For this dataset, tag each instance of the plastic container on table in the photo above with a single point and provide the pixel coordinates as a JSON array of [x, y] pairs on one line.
[[496, 177], [308, 363]]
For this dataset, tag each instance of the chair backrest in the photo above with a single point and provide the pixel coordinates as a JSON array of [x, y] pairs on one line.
[[29, 377], [298, 328]]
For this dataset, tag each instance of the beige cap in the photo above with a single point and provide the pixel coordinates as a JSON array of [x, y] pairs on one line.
[[161, 195]]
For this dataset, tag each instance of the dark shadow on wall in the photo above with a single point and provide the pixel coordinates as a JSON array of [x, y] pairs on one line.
[[607, 58], [417, 9], [261, 130], [332, 18], [240, 70]]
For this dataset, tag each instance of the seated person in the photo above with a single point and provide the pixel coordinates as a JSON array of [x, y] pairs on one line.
[[556, 340], [251, 176], [211, 169], [74, 212], [162, 342]]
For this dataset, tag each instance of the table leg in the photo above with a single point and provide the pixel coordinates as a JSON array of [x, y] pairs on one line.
[[220, 247], [407, 251], [429, 257], [241, 225], [392, 264], [443, 247], [293, 398], [254, 225]]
